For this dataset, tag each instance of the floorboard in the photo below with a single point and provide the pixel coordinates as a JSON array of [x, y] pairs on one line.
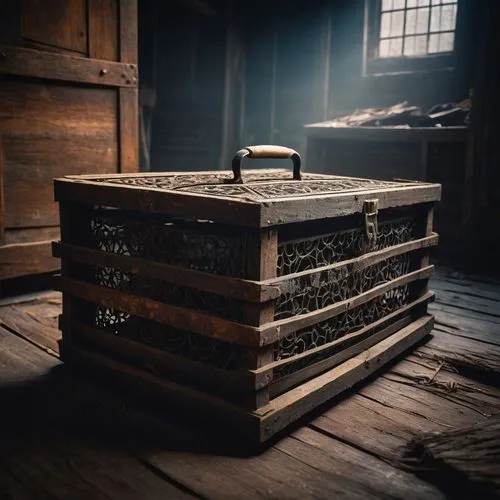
[[64, 437]]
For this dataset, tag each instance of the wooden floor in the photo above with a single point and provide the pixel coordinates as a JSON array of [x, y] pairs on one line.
[[62, 437]]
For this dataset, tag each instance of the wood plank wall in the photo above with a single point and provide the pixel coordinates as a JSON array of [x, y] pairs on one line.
[[68, 105]]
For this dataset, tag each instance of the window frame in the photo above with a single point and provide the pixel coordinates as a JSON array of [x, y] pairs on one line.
[[374, 66]]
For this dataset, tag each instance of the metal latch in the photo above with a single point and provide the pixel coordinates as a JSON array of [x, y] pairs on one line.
[[370, 211]]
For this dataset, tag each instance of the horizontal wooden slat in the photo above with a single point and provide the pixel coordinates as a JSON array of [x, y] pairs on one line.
[[27, 258], [160, 391], [357, 263], [187, 319], [279, 329], [31, 234], [54, 66], [286, 211], [187, 369], [215, 327], [305, 374], [261, 424], [238, 211], [251, 291], [285, 409], [386, 320]]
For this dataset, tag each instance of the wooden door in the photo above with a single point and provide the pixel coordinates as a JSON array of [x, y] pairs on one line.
[[68, 105]]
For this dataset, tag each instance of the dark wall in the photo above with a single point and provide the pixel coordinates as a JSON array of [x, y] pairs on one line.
[[183, 57]]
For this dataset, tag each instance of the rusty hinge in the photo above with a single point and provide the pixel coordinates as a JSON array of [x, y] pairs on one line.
[[370, 212]]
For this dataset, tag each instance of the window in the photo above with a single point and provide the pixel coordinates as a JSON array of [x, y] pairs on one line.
[[409, 35]]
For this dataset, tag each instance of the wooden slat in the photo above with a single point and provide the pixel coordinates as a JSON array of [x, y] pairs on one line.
[[27, 258], [190, 320], [31, 234], [283, 384], [103, 29], [159, 391], [61, 129], [252, 291], [216, 327], [237, 211], [405, 310], [280, 412], [286, 326], [2, 206], [231, 287], [283, 211], [244, 388], [59, 24], [54, 66], [358, 263], [128, 130], [292, 405], [128, 31]]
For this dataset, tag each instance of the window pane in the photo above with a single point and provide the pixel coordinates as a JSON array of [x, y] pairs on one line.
[[433, 44], [448, 16], [422, 20], [385, 25], [386, 4], [436, 2], [409, 49], [423, 3], [383, 50], [446, 42], [396, 47], [421, 45], [411, 22], [397, 23], [435, 18], [398, 4], [411, 3]]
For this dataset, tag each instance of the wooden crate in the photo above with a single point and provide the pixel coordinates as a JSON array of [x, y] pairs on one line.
[[251, 300]]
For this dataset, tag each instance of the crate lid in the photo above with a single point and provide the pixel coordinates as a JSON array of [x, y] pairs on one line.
[[259, 198]]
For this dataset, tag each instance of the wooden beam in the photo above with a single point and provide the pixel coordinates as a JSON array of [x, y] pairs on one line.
[[54, 66], [2, 207], [27, 258], [128, 98]]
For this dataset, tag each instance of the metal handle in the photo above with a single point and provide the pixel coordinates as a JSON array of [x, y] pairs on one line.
[[264, 151]]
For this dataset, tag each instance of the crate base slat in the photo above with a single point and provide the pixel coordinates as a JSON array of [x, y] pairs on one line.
[[260, 425]]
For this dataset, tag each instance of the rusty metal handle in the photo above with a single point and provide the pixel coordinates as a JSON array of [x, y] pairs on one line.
[[264, 151]]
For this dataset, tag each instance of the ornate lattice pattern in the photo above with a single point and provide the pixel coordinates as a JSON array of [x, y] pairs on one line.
[[175, 341], [194, 245], [335, 328], [312, 253], [316, 291], [257, 185]]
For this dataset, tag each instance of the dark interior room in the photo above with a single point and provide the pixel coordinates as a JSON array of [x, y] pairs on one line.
[[249, 249]]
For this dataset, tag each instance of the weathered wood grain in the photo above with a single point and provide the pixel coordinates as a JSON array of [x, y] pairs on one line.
[[297, 402], [67, 21], [53, 66], [239, 212], [60, 130], [128, 130], [197, 322], [216, 327], [103, 29], [26, 258], [223, 285]]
